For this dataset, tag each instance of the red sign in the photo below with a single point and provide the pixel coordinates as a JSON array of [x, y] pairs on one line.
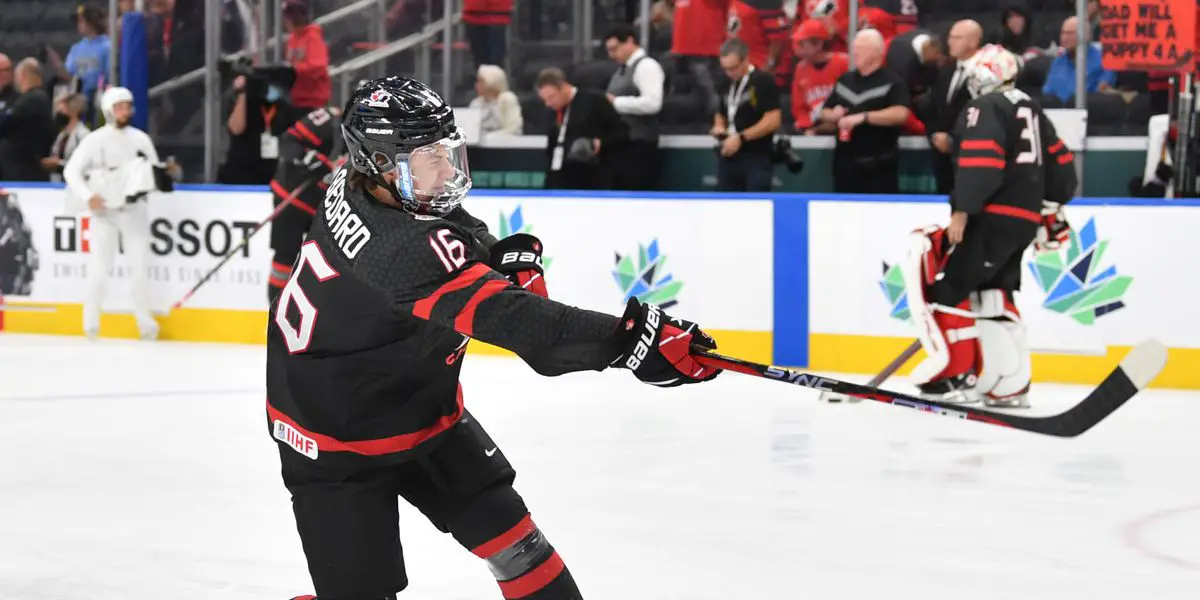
[[1148, 35]]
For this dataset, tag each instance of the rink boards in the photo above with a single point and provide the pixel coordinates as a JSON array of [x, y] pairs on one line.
[[787, 278]]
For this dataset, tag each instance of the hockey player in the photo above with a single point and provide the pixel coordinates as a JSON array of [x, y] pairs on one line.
[[110, 174], [1013, 176], [367, 340], [306, 160]]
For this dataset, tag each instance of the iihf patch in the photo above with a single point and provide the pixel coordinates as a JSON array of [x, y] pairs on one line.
[[298, 441]]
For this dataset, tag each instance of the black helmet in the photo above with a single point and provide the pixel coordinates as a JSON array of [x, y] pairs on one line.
[[400, 125]]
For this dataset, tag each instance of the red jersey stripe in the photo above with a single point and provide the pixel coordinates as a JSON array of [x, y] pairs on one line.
[[1065, 158], [1013, 211], [465, 322], [307, 133], [424, 307], [379, 447], [535, 580], [987, 163], [1056, 147], [987, 145], [506, 539], [286, 196]]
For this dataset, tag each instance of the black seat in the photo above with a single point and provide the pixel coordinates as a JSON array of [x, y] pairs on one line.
[[1139, 112], [1106, 109]]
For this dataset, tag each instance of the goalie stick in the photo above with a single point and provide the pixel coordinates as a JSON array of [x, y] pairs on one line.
[[1143, 363], [883, 375]]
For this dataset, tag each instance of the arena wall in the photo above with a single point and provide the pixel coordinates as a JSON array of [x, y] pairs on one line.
[[794, 279]]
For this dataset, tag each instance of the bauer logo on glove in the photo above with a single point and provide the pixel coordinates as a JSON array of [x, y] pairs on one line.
[[658, 347], [519, 258]]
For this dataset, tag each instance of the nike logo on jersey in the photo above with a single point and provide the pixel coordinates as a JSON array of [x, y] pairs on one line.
[[490, 452]]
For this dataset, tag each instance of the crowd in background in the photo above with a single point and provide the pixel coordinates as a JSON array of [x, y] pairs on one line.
[[784, 68]]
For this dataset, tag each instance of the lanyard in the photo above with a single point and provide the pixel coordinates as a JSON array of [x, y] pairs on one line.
[[735, 98], [562, 127], [268, 116]]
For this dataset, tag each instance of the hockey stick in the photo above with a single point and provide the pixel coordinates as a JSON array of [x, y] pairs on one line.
[[1143, 363], [883, 375], [275, 213]]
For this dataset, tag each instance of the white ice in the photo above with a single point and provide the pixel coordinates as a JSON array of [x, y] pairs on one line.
[[138, 471]]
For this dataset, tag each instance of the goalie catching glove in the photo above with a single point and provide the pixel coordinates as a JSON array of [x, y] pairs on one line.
[[658, 347], [519, 258], [1054, 233]]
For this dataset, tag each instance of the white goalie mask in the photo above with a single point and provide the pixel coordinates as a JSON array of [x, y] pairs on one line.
[[992, 68]]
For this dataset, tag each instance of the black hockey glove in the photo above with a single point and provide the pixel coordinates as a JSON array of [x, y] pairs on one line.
[[519, 258], [1054, 233], [658, 347]]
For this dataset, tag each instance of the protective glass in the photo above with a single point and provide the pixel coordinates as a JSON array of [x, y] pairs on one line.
[[433, 178]]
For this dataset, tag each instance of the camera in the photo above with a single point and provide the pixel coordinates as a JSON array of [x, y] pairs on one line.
[[782, 152], [259, 78]]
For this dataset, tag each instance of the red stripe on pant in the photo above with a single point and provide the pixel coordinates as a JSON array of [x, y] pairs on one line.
[[377, 447], [535, 580], [279, 274], [506, 539], [1013, 211]]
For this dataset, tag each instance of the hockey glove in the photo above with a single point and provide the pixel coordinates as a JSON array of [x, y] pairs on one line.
[[519, 258], [658, 347], [1054, 233]]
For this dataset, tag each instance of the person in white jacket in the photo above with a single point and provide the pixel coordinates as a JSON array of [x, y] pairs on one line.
[[110, 175]]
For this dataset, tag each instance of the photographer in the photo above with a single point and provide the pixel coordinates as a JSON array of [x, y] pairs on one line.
[[261, 113], [748, 118]]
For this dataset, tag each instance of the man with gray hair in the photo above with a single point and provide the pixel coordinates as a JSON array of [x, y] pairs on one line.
[[26, 126], [868, 105], [750, 114]]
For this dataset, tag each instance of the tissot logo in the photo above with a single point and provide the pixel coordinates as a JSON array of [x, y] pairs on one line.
[[71, 234]]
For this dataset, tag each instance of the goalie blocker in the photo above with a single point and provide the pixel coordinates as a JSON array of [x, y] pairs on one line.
[[1012, 177]]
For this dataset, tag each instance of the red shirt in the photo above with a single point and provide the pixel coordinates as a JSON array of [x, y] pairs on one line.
[[879, 19], [308, 55], [699, 27], [812, 84], [758, 28], [487, 12]]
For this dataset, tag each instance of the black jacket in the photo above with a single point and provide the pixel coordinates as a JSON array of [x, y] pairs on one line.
[[944, 113], [1017, 44], [591, 116], [26, 135], [904, 61]]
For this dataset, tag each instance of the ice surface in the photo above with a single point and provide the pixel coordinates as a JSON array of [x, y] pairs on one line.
[[138, 471]]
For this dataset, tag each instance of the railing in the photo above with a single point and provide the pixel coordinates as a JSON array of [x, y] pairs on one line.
[[196, 75], [344, 73]]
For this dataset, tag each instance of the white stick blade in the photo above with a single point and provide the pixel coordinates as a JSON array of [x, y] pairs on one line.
[[1144, 363]]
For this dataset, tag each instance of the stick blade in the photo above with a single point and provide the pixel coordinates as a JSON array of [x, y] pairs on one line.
[[1144, 362]]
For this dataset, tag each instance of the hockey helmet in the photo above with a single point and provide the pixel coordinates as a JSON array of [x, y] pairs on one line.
[[992, 69], [111, 98], [399, 125]]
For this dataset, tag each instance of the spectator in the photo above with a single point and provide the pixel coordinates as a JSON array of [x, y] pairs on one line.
[[745, 125], [661, 23], [260, 114], [1016, 29], [1093, 15], [948, 98], [1060, 81], [915, 56], [870, 17], [26, 127], [869, 106], [8, 93], [817, 71], [487, 29], [636, 92], [699, 29], [585, 128], [308, 55], [68, 117], [501, 109], [903, 12], [763, 26], [87, 60]]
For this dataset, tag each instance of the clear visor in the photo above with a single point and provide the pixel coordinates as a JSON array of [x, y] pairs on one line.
[[435, 176]]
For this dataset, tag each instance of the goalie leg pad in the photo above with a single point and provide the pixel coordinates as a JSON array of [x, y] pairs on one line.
[[947, 333], [1005, 366]]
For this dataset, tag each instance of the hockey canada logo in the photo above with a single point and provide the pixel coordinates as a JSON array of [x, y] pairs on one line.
[[514, 223], [893, 288], [1073, 281], [646, 277]]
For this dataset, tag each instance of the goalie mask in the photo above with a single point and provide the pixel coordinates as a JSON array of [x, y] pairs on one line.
[[400, 127], [992, 69]]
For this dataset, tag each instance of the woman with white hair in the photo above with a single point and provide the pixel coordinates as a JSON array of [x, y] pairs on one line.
[[501, 110]]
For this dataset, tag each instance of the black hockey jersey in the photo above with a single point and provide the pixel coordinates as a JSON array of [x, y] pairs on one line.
[[366, 340], [1009, 159], [306, 155]]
